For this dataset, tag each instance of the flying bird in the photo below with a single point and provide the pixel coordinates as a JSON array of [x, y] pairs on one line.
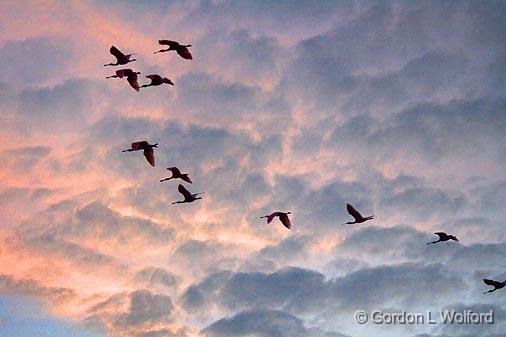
[[121, 58], [188, 196], [157, 80], [149, 153], [130, 75], [443, 237], [120, 73], [283, 217], [182, 50], [176, 174], [356, 215], [496, 284]]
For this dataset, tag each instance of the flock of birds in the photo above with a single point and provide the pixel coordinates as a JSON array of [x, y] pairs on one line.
[[148, 149], [155, 79]]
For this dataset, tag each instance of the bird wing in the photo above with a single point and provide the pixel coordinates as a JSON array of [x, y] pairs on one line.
[[492, 283], [175, 171], [154, 76], [132, 80], [285, 220], [187, 179], [149, 153], [116, 53], [441, 235], [143, 144], [184, 53], [123, 72], [353, 212], [184, 191], [270, 217], [172, 44]]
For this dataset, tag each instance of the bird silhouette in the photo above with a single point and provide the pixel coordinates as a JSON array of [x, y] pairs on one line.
[[188, 196], [121, 58], [157, 80], [149, 153], [356, 215], [120, 73], [496, 284], [283, 217], [130, 75], [182, 50], [443, 237], [176, 174]]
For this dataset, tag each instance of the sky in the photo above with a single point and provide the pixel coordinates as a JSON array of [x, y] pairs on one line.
[[397, 107]]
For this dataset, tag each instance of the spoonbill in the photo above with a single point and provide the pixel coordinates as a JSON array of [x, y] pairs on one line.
[[356, 215], [283, 217], [182, 50], [149, 153], [176, 174], [121, 58], [188, 196]]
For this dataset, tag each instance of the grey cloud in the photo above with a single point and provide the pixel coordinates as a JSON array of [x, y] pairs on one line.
[[33, 61], [153, 277], [146, 307], [297, 291], [264, 323]]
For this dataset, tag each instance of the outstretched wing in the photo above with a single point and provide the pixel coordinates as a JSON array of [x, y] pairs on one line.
[[132, 80], [154, 77], [140, 145], [353, 212], [186, 194], [186, 178], [184, 53], [441, 235], [175, 171], [171, 44], [123, 72], [149, 153], [492, 283], [116, 53], [285, 220]]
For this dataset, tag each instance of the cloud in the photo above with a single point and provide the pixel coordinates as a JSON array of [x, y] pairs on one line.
[[32, 288], [263, 323], [35, 61]]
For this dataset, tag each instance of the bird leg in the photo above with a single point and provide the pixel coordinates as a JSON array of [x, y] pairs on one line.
[[490, 291], [165, 179], [161, 51], [433, 242]]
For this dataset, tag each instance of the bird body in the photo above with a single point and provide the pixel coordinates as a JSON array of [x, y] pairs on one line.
[[130, 75], [182, 50], [496, 284], [176, 174], [356, 215], [157, 80], [188, 196], [147, 148], [443, 237], [121, 58], [283, 217]]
